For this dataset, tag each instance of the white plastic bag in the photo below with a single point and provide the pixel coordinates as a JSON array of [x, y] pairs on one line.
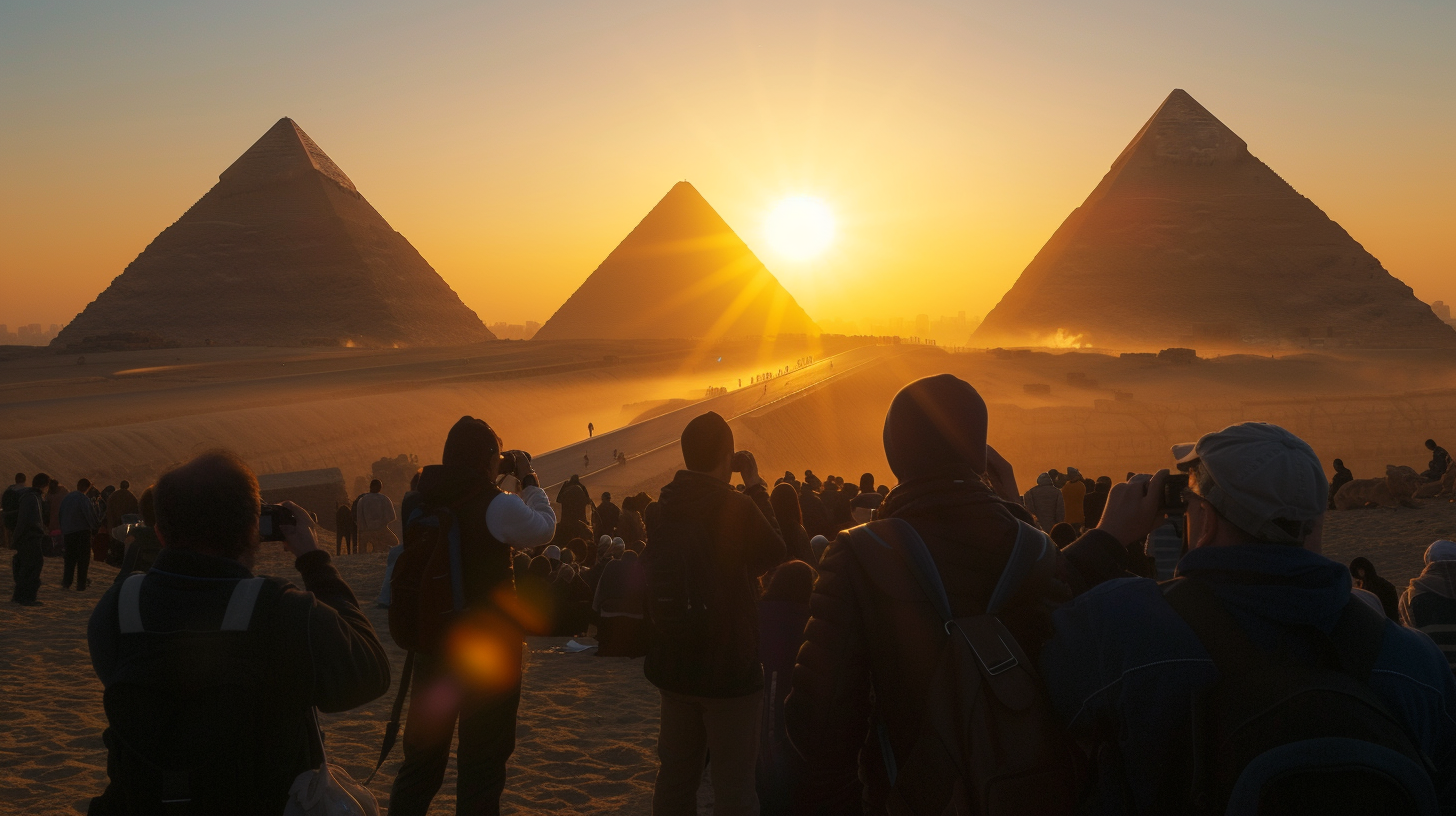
[[328, 790]]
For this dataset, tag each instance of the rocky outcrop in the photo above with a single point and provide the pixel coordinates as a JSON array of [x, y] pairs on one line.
[[283, 250], [682, 273], [1191, 240]]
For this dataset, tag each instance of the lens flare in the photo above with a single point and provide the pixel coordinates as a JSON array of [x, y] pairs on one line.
[[799, 227]]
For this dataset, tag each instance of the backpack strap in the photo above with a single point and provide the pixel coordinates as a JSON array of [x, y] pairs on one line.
[[129, 604], [1358, 636], [240, 605], [1213, 625]]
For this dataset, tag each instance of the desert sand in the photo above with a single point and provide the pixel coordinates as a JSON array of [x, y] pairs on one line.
[[587, 733]]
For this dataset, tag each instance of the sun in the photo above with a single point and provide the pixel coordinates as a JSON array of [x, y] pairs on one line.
[[799, 227]]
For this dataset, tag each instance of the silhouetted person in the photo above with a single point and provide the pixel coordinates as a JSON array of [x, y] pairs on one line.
[[783, 610], [373, 512], [1440, 460], [1045, 502], [1342, 477], [1429, 603], [1096, 500], [863, 505], [10, 507], [28, 538], [608, 514], [785, 503], [346, 537], [590, 429], [1363, 572], [78, 523], [812, 510], [620, 604], [574, 500], [142, 545], [121, 503]]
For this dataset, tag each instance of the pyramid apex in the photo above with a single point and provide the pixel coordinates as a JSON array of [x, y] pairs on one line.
[[285, 148]]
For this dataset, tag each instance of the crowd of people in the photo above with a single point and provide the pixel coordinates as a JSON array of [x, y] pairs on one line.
[[1172, 642]]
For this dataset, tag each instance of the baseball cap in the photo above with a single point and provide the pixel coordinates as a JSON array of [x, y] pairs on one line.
[[1265, 480]]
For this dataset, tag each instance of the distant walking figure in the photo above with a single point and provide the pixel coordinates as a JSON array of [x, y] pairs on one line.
[[589, 430], [585, 461]]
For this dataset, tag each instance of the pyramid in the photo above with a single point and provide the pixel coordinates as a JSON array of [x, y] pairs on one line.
[[283, 250], [682, 273], [1190, 239]]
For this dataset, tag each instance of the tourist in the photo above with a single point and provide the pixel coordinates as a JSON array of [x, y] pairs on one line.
[[1074, 491], [1429, 603], [491, 523], [632, 526], [10, 507], [786, 513], [1045, 502], [1062, 534], [871, 647], [56, 545], [120, 504], [142, 544], [606, 517], [1130, 659], [706, 554], [231, 732], [619, 602], [812, 511], [373, 513], [28, 539], [346, 538], [1363, 574], [818, 544], [782, 612], [1096, 500], [1342, 477], [862, 507], [78, 523], [1440, 460], [574, 500]]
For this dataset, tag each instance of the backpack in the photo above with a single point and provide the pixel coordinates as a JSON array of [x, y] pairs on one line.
[[195, 724], [1280, 736], [989, 739], [676, 605], [427, 588]]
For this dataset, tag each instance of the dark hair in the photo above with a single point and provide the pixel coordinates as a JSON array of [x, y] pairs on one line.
[[20, 478], [83, 485], [867, 483], [706, 442], [785, 503], [1339, 463], [40, 480], [792, 581], [210, 503], [520, 564], [472, 444], [540, 567], [125, 484], [606, 497], [1063, 534], [147, 506], [1362, 564], [375, 486], [1431, 443]]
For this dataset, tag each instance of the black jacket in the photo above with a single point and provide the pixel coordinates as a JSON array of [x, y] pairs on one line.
[[730, 544], [485, 561], [316, 648], [873, 640]]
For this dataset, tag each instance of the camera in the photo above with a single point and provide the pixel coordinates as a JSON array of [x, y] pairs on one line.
[[1172, 501], [272, 520], [741, 460], [515, 463]]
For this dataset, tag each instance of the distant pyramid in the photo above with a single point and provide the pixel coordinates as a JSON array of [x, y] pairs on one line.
[[283, 250], [1190, 239], [682, 273]]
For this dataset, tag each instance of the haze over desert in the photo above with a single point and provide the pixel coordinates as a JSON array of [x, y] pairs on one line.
[[623, 369]]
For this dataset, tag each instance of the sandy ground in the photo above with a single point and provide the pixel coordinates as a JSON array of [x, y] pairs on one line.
[[586, 736], [587, 732]]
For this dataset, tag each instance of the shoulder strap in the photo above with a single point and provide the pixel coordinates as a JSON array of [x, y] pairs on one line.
[[1031, 546], [240, 606], [1358, 636], [1215, 628], [129, 604], [457, 568]]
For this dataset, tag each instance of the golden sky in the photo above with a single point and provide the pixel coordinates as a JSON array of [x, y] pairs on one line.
[[515, 144]]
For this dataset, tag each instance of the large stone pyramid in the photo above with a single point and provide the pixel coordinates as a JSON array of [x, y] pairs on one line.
[[1189, 239], [682, 273], [283, 250]]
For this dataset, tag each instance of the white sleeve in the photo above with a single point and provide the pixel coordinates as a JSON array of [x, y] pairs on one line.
[[522, 520]]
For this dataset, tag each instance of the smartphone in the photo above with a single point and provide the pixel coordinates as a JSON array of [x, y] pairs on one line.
[[272, 520], [1172, 501], [740, 461]]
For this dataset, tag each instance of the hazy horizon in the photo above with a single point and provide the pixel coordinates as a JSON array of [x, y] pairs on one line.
[[515, 145]]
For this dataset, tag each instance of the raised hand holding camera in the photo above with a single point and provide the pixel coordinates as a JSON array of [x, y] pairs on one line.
[[1134, 507]]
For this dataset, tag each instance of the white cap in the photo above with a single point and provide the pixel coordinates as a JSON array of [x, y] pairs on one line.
[[1265, 480], [553, 552], [1441, 550]]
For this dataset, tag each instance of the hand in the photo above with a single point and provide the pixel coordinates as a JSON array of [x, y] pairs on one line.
[[298, 538], [1001, 476], [749, 471], [1132, 507]]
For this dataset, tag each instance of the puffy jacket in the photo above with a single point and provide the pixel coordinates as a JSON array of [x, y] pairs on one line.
[[1046, 503], [1429, 604], [1123, 668], [1073, 492], [731, 544], [873, 640]]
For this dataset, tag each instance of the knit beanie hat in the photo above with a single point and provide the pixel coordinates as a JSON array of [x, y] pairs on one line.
[[933, 422]]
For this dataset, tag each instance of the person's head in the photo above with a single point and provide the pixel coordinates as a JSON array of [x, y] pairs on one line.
[[636, 546], [415, 479], [92, 492], [20, 478], [1104, 482], [472, 445], [83, 485], [1339, 463], [521, 563], [1441, 550], [603, 543], [540, 567], [791, 581], [628, 556], [867, 483], [1252, 483], [55, 486], [606, 497], [107, 491], [707, 446], [785, 503], [1063, 534], [41, 480], [375, 486], [936, 424], [125, 485], [566, 574], [883, 490], [1044, 479], [553, 553], [209, 505], [817, 544], [575, 479], [1430, 444], [147, 506], [1361, 569], [568, 556]]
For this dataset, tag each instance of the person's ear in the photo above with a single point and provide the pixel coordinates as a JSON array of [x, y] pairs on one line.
[[1208, 527]]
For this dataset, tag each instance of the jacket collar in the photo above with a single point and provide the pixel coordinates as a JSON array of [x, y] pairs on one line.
[[192, 564]]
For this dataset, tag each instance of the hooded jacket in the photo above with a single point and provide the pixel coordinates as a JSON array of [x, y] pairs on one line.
[[1429, 604], [1045, 502], [727, 543], [1124, 668], [873, 641]]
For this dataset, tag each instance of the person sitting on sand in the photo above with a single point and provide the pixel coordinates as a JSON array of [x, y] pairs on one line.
[[1363, 573], [210, 674], [1440, 460], [1429, 603], [1342, 477]]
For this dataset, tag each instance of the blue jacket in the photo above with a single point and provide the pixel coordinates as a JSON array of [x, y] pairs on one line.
[[78, 514], [1123, 668]]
